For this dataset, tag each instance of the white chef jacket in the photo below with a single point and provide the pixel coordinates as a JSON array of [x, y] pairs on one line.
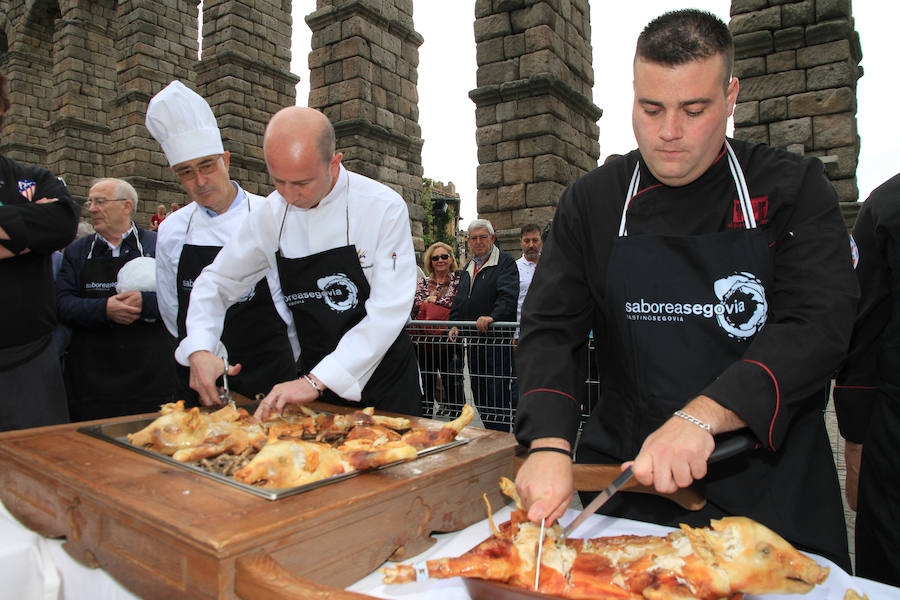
[[364, 212], [206, 230]]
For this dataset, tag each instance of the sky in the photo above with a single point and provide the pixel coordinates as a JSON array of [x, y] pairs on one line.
[[447, 71]]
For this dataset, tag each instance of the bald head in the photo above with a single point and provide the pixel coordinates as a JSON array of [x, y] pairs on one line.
[[296, 127], [299, 148]]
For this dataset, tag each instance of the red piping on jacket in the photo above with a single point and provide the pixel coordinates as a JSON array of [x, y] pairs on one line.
[[646, 189], [548, 390], [777, 398]]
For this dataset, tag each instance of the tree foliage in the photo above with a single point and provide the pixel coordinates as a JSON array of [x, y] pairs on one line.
[[435, 226]]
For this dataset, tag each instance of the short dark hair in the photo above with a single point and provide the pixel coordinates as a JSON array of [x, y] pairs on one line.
[[528, 228], [4, 97], [682, 36]]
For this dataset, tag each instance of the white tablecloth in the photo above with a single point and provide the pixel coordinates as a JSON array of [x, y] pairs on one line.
[[36, 568], [459, 542]]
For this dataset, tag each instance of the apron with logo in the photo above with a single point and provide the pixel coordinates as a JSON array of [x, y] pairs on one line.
[[682, 309], [254, 333], [326, 293], [116, 369]]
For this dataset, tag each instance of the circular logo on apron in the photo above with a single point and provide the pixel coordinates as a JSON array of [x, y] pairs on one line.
[[742, 307], [340, 293]]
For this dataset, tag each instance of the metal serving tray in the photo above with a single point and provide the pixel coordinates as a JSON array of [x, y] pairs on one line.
[[116, 433]]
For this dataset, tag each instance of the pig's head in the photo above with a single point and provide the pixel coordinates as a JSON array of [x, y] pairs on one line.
[[755, 559]]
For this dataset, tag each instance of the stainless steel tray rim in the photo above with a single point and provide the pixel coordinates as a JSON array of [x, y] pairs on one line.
[[115, 433]]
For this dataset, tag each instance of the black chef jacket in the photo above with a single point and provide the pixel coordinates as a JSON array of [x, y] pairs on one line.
[[30, 379], [811, 306], [867, 395]]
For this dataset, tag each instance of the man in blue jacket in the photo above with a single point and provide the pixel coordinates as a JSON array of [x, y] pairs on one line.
[[488, 291], [37, 217], [120, 357]]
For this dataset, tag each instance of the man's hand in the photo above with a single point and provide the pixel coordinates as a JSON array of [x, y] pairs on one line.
[[132, 298], [676, 454], [296, 391], [6, 252], [673, 456], [121, 308], [483, 323], [453, 333], [206, 367], [852, 456], [545, 482]]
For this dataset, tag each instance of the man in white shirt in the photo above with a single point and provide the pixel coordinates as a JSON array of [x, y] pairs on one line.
[[531, 242], [255, 334], [342, 248]]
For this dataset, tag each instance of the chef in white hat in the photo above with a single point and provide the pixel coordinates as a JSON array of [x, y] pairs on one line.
[[119, 361], [255, 335]]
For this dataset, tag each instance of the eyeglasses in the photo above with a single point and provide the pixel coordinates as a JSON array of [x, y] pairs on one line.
[[440, 256], [206, 167], [476, 238], [101, 202]]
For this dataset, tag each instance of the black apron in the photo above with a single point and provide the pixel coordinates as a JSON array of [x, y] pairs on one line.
[[326, 293], [682, 309], [116, 370], [254, 333]]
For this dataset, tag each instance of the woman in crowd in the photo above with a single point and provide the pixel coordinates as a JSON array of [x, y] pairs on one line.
[[157, 217], [434, 297]]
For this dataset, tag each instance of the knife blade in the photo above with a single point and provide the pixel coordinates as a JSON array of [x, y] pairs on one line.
[[727, 446], [597, 502]]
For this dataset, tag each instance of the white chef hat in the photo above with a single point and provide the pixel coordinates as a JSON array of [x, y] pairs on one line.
[[183, 124], [138, 274]]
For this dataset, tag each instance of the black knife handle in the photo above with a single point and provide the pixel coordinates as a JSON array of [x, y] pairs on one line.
[[731, 444]]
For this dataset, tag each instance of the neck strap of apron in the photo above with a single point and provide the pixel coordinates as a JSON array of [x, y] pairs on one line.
[[737, 174], [287, 205], [133, 230]]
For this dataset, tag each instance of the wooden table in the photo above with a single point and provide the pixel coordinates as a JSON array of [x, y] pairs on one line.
[[164, 532]]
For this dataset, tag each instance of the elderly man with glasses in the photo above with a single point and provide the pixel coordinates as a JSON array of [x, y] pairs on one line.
[[119, 360], [488, 290], [256, 335]]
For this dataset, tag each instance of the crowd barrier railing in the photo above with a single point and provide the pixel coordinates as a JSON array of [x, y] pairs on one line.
[[477, 368]]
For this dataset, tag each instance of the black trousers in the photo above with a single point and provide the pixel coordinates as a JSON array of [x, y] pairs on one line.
[[878, 507]]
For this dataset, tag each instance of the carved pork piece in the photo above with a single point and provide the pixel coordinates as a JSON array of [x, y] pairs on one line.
[[429, 438], [732, 556], [285, 463], [189, 435]]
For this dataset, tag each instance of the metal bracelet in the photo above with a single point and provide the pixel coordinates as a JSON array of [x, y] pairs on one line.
[[313, 383], [691, 418]]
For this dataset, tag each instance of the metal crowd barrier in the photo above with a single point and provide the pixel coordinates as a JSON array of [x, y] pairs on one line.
[[478, 369]]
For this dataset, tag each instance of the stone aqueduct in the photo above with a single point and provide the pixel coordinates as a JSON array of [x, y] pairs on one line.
[[82, 71]]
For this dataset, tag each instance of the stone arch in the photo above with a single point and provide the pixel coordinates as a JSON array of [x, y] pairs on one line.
[[41, 13]]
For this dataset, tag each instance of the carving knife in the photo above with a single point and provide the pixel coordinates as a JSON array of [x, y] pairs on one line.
[[726, 447], [537, 568]]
